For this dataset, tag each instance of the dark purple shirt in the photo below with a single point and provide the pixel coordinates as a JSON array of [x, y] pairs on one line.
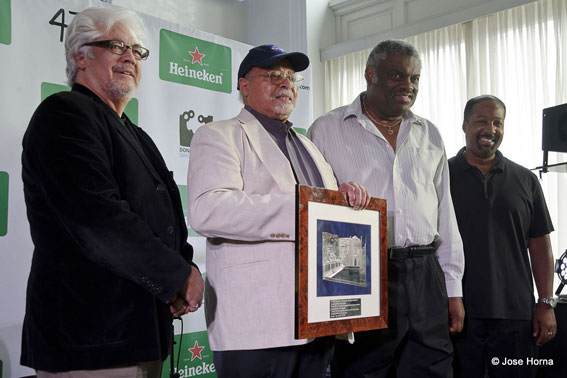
[[301, 162]]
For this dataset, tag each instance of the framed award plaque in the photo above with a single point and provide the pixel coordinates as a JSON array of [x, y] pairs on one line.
[[341, 264]]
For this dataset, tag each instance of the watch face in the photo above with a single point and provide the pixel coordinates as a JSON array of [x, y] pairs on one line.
[[551, 302]]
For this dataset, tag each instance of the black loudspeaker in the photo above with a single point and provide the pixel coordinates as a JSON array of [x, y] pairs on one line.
[[554, 134]]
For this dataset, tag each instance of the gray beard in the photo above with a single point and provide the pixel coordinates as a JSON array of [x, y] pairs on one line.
[[284, 109], [121, 90]]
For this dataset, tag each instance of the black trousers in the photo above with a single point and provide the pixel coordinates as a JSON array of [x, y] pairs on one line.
[[303, 361], [416, 342], [495, 348]]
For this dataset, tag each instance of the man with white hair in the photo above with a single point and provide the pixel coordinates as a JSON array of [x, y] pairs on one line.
[[111, 263]]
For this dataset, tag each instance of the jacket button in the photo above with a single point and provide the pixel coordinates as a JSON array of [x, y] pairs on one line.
[[170, 230], [272, 235], [160, 187]]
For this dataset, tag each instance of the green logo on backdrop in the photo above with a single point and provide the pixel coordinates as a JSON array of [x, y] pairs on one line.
[[47, 89], [195, 357], [192, 61], [5, 27], [4, 180]]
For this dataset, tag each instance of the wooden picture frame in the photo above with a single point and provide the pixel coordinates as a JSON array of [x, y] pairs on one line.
[[341, 264]]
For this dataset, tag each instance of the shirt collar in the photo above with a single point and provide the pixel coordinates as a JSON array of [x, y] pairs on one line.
[[271, 125], [462, 164], [87, 92], [355, 110]]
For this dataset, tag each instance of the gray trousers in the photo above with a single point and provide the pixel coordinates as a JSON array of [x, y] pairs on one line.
[[142, 370]]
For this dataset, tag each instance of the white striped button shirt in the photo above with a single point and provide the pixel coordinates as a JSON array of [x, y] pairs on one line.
[[414, 179]]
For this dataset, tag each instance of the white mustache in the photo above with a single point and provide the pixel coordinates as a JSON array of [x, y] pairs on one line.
[[284, 92], [126, 68]]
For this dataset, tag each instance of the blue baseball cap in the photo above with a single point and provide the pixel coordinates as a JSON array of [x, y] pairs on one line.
[[268, 55]]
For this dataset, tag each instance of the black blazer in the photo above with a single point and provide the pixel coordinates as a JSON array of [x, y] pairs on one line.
[[110, 238]]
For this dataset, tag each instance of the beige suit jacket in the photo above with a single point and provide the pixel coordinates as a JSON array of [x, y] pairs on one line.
[[241, 193]]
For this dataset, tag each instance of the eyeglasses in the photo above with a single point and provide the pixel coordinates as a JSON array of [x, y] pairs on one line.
[[277, 77], [118, 47]]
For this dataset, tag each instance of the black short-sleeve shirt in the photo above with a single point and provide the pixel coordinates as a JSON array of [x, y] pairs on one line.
[[497, 215]]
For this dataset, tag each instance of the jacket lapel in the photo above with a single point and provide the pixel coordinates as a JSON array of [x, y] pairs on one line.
[[118, 123], [325, 170], [136, 144], [268, 152]]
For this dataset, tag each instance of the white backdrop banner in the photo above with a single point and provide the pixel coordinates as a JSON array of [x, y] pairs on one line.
[[188, 80]]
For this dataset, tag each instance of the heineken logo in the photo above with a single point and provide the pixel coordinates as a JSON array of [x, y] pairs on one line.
[[196, 351], [203, 369], [202, 75], [195, 357], [197, 56], [191, 61]]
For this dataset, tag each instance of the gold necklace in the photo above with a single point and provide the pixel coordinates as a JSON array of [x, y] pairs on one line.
[[389, 127]]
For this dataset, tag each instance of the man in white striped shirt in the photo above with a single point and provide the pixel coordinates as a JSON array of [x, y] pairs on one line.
[[378, 142]]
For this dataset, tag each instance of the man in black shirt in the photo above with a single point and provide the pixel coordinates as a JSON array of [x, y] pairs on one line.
[[504, 224]]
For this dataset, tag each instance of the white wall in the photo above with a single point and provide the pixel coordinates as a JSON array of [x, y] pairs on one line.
[[283, 23], [320, 33], [360, 24], [227, 18]]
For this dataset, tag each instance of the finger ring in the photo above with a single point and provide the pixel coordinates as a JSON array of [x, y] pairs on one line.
[[550, 333], [195, 306]]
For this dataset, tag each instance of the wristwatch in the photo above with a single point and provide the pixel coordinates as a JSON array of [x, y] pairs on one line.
[[551, 302]]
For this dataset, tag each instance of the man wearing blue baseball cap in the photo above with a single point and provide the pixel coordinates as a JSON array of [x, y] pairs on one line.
[[241, 189]]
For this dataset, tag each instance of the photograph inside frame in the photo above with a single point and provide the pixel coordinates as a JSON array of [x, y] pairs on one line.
[[343, 256]]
